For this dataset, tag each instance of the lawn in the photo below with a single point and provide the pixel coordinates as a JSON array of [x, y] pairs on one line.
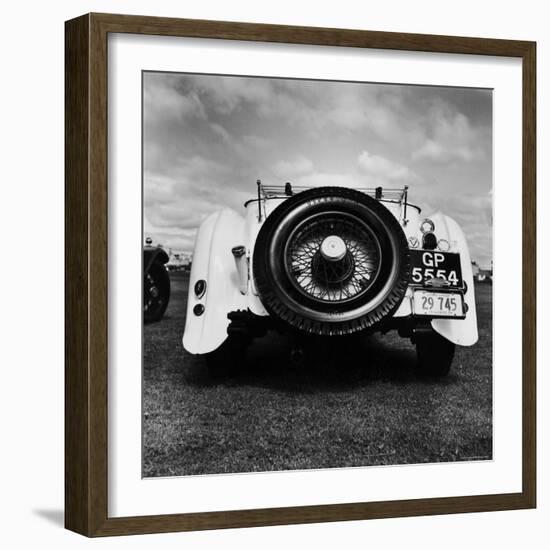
[[362, 406]]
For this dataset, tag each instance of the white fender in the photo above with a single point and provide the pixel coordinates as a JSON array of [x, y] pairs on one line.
[[462, 332], [214, 263]]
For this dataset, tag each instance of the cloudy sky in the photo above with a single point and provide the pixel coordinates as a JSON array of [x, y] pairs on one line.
[[208, 138]]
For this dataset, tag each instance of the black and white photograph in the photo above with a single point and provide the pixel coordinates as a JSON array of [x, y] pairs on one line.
[[317, 274]]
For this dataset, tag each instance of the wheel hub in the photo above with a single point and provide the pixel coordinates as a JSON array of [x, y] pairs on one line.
[[329, 273], [333, 248]]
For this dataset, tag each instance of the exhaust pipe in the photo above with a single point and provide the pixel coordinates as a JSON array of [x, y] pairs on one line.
[[241, 262]]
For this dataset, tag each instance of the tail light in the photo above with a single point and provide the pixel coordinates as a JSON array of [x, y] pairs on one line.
[[427, 226]]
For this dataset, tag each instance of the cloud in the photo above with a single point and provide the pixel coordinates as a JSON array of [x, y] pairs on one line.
[[219, 130], [451, 138], [179, 197], [292, 168], [255, 142], [380, 170], [325, 179], [226, 94], [313, 106], [441, 152], [473, 212], [162, 101]]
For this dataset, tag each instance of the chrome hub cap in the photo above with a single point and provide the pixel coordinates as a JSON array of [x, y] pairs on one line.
[[333, 248]]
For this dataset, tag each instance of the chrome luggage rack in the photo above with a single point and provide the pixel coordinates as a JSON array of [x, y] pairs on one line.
[[393, 195], [398, 195]]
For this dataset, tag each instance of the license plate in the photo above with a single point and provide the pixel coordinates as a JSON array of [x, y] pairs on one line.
[[444, 267], [437, 304]]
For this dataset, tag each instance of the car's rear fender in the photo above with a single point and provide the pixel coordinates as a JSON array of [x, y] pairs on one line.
[[459, 331], [214, 263]]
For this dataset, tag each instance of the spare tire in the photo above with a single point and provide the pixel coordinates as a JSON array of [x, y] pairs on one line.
[[331, 261]]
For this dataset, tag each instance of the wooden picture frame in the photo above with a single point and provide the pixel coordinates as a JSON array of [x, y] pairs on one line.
[[86, 222]]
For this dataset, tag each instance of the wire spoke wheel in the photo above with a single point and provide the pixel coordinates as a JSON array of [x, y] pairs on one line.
[[341, 275]]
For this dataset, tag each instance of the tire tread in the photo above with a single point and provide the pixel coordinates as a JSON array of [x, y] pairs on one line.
[[270, 299]]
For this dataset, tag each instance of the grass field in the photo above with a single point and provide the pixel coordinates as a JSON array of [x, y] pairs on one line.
[[361, 407]]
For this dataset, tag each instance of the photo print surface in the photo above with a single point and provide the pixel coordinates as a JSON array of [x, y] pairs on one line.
[[317, 274]]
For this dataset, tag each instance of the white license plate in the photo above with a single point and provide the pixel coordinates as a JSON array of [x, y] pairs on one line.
[[437, 304]]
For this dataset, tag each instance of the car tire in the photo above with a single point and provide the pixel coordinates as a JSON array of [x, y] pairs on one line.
[[156, 292], [434, 355], [321, 295]]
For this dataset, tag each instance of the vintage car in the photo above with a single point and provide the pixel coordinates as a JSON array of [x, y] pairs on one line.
[[329, 262], [156, 282]]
